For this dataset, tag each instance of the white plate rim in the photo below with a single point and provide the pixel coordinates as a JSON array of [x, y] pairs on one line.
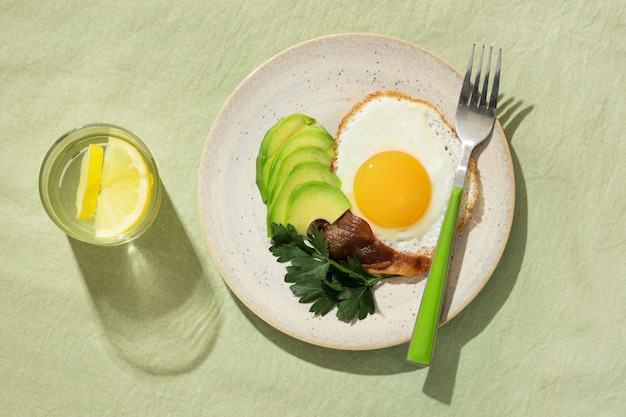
[[242, 293]]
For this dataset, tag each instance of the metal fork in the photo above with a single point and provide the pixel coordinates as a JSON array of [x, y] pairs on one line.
[[474, 122]]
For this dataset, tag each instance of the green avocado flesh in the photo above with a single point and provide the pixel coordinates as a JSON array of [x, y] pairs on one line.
[[307, 136], [315, 200], [276, 135], [302, 173], [293, 174], [283, 166]]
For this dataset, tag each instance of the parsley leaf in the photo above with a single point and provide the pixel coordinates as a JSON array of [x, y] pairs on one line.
[[355, 301], [317, 279]]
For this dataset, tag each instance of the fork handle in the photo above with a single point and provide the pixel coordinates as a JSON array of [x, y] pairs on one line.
[[421, 346]]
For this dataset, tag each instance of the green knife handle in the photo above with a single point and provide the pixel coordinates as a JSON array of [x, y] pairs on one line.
[[421, 346]]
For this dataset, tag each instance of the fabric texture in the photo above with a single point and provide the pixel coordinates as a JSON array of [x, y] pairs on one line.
[[151, 329]]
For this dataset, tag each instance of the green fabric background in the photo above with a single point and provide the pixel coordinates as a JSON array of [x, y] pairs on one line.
[[154, 331]]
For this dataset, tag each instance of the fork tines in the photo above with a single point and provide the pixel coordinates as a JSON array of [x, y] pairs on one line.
[[471, 95]]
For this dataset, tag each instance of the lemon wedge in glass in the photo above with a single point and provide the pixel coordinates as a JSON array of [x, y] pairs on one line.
[[89, 182], [125, 186]]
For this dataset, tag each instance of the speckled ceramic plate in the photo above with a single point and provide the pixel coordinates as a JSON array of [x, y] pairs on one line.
[[323, 78]]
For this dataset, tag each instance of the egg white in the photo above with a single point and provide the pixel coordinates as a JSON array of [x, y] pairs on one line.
[[394, 122]]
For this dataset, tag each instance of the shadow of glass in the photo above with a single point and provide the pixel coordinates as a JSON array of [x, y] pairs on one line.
[[451, 338], [153, 297], [441, 377]]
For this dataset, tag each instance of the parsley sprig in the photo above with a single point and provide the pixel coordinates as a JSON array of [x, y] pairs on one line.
[[317, 279]]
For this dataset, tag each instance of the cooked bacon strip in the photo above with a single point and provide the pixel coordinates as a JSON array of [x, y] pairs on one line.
[[351, 236]]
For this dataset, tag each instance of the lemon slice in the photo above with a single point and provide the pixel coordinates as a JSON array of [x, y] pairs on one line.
[[89, 182], [124, 189]]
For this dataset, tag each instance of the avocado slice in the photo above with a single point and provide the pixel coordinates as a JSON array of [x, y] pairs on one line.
[[305, 172], [277, 135], [283, 166], [315, 200], [308, 136]]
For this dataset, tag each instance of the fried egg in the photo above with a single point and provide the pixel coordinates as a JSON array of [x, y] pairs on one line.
[[396, 157]]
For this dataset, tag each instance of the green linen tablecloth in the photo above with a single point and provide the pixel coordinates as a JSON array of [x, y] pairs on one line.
[[94, 332]]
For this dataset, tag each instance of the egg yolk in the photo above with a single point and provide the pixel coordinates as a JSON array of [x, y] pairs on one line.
[[392, 189]]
